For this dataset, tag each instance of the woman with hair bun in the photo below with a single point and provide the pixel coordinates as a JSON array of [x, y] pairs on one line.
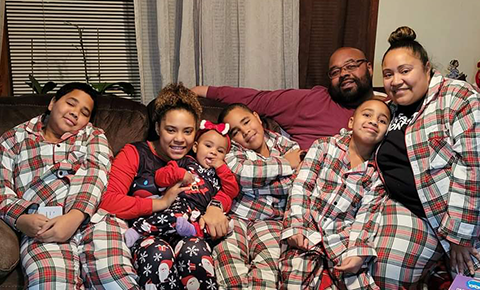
[[430, 163]]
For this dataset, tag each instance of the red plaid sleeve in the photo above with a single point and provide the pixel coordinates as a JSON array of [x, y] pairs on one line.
[[461, 224], [11, 203], [90, 180], [253, 172], [298, 218], [367, 220]]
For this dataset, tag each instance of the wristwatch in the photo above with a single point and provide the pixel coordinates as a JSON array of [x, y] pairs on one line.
[[216, 203]]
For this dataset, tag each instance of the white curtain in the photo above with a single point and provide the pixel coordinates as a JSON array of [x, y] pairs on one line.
[[246, 43]]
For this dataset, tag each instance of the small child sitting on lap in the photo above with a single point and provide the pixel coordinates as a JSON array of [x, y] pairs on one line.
[[208, 181]]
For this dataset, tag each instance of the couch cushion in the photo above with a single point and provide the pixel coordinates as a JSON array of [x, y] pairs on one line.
[[9, 249], [124, 121]]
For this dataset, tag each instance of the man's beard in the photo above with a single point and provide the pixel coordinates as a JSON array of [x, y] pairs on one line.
[[352, 97]]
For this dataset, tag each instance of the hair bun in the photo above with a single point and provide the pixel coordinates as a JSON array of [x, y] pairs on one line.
[[403, 33]]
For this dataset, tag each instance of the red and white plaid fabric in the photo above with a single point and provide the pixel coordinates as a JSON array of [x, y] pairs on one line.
[[72, 173], [264, 182], [337, 209]]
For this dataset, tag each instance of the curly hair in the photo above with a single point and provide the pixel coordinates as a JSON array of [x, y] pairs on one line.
[[174, 97]]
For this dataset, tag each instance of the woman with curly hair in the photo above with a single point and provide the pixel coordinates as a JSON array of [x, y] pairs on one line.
[[132, 190]]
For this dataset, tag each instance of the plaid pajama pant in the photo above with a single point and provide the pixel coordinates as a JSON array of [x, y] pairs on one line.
[[406, 247], [96, 257], [248, 257], [305, 270]]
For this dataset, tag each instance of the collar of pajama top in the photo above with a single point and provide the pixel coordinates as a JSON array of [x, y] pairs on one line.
[[443, 146], [71, 173], [333, 203], [264, 182]]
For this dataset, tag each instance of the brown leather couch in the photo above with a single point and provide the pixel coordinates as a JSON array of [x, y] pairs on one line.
[[123, 120]]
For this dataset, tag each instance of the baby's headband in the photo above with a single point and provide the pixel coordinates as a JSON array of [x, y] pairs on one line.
[[221, 128]]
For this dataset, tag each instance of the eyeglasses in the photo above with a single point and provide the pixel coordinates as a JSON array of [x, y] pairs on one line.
[[352, 66]]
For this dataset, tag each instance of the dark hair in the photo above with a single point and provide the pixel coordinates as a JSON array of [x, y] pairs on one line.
[[229, 108], [404, 37], [176, 97], [86, 88], [379, 99]]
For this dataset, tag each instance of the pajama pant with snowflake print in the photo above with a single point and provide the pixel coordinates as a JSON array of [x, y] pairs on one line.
[[163, 223], [189, 266]]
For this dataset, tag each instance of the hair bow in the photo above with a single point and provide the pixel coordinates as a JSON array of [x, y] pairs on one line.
[[221, 128]]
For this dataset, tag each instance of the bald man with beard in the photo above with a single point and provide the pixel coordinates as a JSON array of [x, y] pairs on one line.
[[308, 114]]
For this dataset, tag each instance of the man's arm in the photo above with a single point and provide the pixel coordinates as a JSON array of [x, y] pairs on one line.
[[277, 104]]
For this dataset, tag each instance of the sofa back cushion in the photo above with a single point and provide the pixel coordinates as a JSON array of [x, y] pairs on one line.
[[124, 121], [211, 111]]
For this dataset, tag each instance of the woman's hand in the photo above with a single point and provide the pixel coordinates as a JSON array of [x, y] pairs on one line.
[[216, 222], [461, 258], [298, 241], [61, 228], [30, 224], [168, 198], [351, 264]]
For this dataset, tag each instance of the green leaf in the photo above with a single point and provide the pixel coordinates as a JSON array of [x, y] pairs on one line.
[[100, 87], [48, 87], [126, 87], [122, 86], [35, 85]]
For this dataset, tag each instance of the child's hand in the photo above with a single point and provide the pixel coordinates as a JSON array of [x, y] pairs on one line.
[[168, 198], [30, 224], [61, 228], [217, 162], [293, 157], [188, 178], [298, 241], [351, 264]]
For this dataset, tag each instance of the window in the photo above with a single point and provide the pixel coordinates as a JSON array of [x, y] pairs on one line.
[[44, 40]]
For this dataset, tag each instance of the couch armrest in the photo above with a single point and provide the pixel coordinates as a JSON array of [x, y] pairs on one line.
[[9, 249]]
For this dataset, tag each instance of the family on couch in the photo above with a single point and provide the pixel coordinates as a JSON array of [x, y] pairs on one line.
[[343, 212]]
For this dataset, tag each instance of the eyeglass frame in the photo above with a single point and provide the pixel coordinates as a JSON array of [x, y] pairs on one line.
[[355, 64]]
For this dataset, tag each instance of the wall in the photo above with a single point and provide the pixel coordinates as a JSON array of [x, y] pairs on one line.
[[447, 29]]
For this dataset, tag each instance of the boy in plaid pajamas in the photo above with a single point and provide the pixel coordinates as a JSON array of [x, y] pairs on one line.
[[54, 170], [431, 166], [264, 163], [334, 207]]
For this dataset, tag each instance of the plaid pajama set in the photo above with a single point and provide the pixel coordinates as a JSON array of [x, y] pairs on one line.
[[443, 146], [337, 209], [248, 257], [71, 174]]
